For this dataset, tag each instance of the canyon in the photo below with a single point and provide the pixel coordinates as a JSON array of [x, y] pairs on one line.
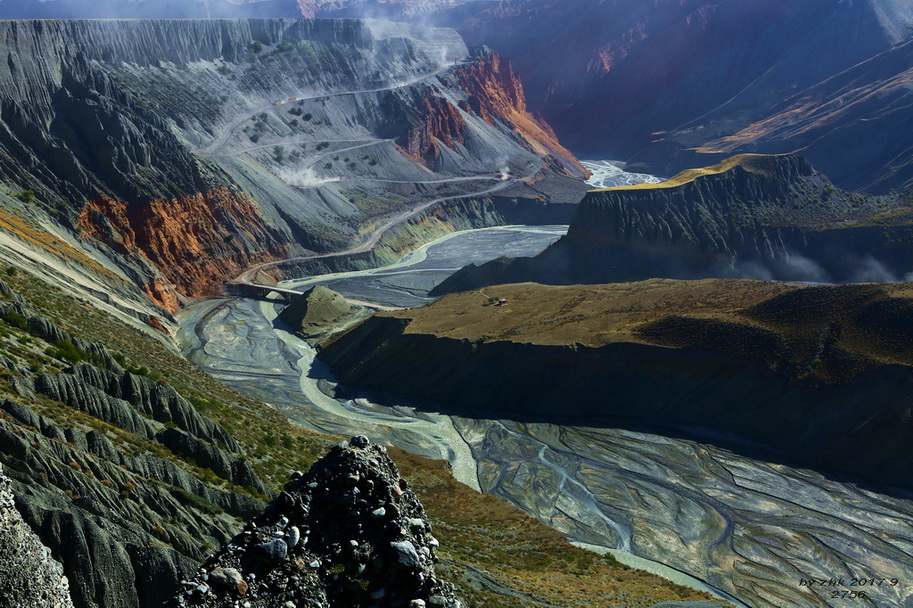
[[661, 396], [273, 138]]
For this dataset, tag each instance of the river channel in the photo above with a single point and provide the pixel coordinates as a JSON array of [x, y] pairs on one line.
[[749, 529]]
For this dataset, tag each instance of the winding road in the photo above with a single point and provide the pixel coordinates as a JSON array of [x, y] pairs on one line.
[[245, 277], [221, 141]]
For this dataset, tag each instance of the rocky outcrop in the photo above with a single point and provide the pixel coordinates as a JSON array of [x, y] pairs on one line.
[[752, 216], [496, 94], [196, 241], [348, 532], [316, 311], [434, 122], [29, 576]]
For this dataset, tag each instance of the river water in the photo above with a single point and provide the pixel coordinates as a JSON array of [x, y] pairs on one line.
[[750, 529], [610, 173]]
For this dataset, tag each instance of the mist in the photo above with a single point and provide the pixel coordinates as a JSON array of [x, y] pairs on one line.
[[304, 177], [146, 9], [801, 269], [396, 10]]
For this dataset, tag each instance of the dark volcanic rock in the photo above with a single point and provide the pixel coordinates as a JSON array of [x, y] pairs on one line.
[[347, 533]]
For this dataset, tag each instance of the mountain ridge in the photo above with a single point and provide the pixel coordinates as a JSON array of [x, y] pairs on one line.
[[752, 216]]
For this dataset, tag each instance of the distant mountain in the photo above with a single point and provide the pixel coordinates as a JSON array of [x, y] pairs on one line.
[[659, 78]]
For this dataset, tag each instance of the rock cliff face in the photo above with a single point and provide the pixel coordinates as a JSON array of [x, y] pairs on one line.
[[29, 576], [764, 217], [184, 151], [348, 532], [496, 94], [195, 241], [809, 375]]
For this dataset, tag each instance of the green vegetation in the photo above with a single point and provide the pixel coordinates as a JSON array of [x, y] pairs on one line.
[[478, 532], [26, 196]]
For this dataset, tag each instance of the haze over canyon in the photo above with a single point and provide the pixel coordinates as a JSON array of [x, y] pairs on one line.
[[456, 303]]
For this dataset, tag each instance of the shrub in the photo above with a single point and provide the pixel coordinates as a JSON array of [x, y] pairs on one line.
[[16, 320]]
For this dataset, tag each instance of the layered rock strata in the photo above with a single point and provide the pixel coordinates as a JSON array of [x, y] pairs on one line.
[[180, 153], [751, 216]]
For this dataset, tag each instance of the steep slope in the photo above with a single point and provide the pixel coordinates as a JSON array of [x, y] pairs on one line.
[[766, 217], [860, 112], [318, 311], [179, 153], [659, 78], [815, 376], [133, 476]]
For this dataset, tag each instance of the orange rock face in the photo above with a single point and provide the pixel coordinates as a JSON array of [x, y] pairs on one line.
[[496, 94], [437, 122], [197, 242]]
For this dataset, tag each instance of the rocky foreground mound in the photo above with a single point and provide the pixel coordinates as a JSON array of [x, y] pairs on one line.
[[346, 533], [29, 576]]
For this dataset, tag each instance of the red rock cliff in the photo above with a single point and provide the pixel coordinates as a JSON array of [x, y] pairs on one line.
[[496, 94], [197, 242], [435, 121]]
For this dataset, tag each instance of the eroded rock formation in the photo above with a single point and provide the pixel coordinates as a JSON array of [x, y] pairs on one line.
[[752, 216], [196, 241]]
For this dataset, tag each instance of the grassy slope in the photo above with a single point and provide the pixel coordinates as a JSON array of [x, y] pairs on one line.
[[481, 536], [865, 326]]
